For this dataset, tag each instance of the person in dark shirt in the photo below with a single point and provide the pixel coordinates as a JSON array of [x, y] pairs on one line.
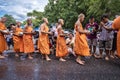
[[92, 26]]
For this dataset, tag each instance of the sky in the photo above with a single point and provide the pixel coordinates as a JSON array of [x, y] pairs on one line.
[[19, 8]]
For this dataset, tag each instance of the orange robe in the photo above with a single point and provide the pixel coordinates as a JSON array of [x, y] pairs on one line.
[[61, 47], [3, 43], [28, 40], [116, 25], [43, 42], [81, 47], [18, 41]]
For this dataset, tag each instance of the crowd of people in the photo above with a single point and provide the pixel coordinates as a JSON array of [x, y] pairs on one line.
[[82, 43]]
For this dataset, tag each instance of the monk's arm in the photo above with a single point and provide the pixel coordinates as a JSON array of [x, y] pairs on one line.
[[16, 34], [83, 32], [63, 35], [6, 33], [42, 30], [79, 30], [27, 32]]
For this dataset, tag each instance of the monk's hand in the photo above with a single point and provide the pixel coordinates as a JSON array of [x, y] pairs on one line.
[[9, 33], [67, 34], [87, 32], [34, 33], [50, 33], [20, 35], [5, 32], [15, 34]]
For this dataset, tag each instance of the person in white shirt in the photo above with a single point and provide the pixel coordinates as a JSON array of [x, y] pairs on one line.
[[106, 37], [70, 43]]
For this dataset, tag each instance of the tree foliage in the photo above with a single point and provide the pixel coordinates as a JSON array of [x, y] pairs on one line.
[[36, 17], [70, 9], [10, 20]]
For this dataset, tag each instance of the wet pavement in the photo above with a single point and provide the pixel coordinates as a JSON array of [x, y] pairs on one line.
[[12, 68]]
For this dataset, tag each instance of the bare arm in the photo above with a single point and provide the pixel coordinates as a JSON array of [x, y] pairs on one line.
[[106, 27], [81, 31], [5, 33], [42, 27]]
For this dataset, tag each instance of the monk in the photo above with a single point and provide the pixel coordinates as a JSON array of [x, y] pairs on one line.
[[43, 41], [3, 32], [61, 47], [81, 47], [27, 39], [17, 39], [116, 25]]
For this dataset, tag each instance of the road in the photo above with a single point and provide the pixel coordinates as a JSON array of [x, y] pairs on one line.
[[12, 68]]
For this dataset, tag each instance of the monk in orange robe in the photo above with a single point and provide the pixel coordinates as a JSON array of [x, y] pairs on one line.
[[43, 41], [81, 47], [61, 47], [28, 39], [17, 39], [3, 44], [116, 25]]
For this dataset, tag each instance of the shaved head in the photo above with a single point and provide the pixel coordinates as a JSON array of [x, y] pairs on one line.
[[3, 19]]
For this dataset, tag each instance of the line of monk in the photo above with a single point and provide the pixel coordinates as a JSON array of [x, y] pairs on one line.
[[23, 39]]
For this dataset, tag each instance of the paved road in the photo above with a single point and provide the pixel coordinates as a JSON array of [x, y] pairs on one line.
[[12, 68]]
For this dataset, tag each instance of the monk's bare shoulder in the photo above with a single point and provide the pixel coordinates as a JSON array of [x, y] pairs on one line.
[[59, 27], [42, 25], [77, 23]]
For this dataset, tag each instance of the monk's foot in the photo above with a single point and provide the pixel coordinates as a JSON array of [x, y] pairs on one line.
[[16, 55], [80, 62], [116, 57], [111, 56], [2, 57], [94, 55], [74, 54], [30, 57], [83, 61], [107, 58], [61, 59], [48, 59]]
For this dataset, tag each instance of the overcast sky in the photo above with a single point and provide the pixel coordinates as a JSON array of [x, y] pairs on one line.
[[19, 8]]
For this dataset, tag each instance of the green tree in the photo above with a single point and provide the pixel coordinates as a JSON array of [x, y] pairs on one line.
[[70, 9], [10, 20], [36, 17]]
